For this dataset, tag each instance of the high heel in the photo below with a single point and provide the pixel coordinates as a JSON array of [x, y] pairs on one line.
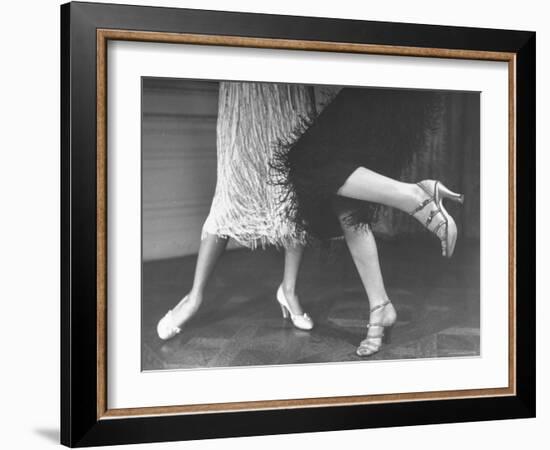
[[285, 312], [445, 192], [301, 321], [369, 346], [444, 227]]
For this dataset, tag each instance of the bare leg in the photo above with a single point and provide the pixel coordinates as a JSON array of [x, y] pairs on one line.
[[364, 252], [293, 258], [365, 184], [362, 246], [210, 250]]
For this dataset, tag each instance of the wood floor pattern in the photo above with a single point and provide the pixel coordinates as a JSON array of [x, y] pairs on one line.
[[240, 322]]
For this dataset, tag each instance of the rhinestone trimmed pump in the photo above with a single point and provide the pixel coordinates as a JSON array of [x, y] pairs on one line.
[[438, 220], [303, 321], [373, 342]]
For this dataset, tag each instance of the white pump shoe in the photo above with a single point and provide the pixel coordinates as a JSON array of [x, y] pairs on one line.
[[166, 328], [303, 322]]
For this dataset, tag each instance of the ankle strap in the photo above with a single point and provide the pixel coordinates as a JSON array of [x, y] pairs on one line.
[[387, 302], [426, 189], [421, 206]]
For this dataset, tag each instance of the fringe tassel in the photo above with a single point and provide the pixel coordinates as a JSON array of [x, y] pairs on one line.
[[247, 206]]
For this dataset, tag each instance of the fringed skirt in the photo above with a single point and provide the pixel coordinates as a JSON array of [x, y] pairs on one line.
[[379, 129], [252, 119]]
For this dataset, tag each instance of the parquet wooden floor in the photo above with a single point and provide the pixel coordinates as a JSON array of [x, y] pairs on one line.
[[240, 322]]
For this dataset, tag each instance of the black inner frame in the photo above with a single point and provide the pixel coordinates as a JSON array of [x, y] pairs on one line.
[[79, 424]]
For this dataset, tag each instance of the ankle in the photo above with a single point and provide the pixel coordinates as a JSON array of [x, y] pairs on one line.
[[373, 303], [417, 194], [194, 298], [289, 291], [410, 196]]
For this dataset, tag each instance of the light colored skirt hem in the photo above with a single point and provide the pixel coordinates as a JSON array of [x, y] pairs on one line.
[[254, 240]]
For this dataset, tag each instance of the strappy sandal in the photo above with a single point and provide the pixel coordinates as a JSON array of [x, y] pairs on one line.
[[438, 221], [373, 342]]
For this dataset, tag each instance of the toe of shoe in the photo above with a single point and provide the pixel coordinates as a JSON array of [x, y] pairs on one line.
[[163, 330], [304, 323]]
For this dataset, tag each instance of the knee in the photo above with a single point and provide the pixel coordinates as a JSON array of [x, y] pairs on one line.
[[343, 218], [351, 226]]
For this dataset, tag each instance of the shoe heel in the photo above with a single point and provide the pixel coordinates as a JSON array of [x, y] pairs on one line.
[[285, 312], [445, 192], [388, 334]]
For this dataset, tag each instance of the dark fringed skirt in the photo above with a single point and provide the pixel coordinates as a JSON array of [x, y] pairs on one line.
[[379, 129]]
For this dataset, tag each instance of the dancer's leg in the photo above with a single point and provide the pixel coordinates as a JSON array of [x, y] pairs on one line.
[[293, 259], [210, 250], [364, 252], [424, 203], [365, 184]]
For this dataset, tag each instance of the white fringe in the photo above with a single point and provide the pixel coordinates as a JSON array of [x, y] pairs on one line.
[[251, 118]]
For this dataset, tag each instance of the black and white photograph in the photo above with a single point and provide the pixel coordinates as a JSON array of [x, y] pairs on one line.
[[283, 223], [292, 224], [275, 225]]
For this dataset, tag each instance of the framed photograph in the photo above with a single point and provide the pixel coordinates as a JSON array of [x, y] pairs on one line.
[[278, 224]]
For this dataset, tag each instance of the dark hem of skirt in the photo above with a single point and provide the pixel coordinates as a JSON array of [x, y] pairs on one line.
[[316, 159]]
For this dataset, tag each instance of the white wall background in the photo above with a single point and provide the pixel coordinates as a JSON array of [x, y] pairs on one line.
[[29, 190]]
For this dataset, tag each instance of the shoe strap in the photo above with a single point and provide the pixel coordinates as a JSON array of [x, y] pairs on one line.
[[371, 347], [433, 212], [421, 206], [425, 189], [381, 305], [374, 336], [431, 196]]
